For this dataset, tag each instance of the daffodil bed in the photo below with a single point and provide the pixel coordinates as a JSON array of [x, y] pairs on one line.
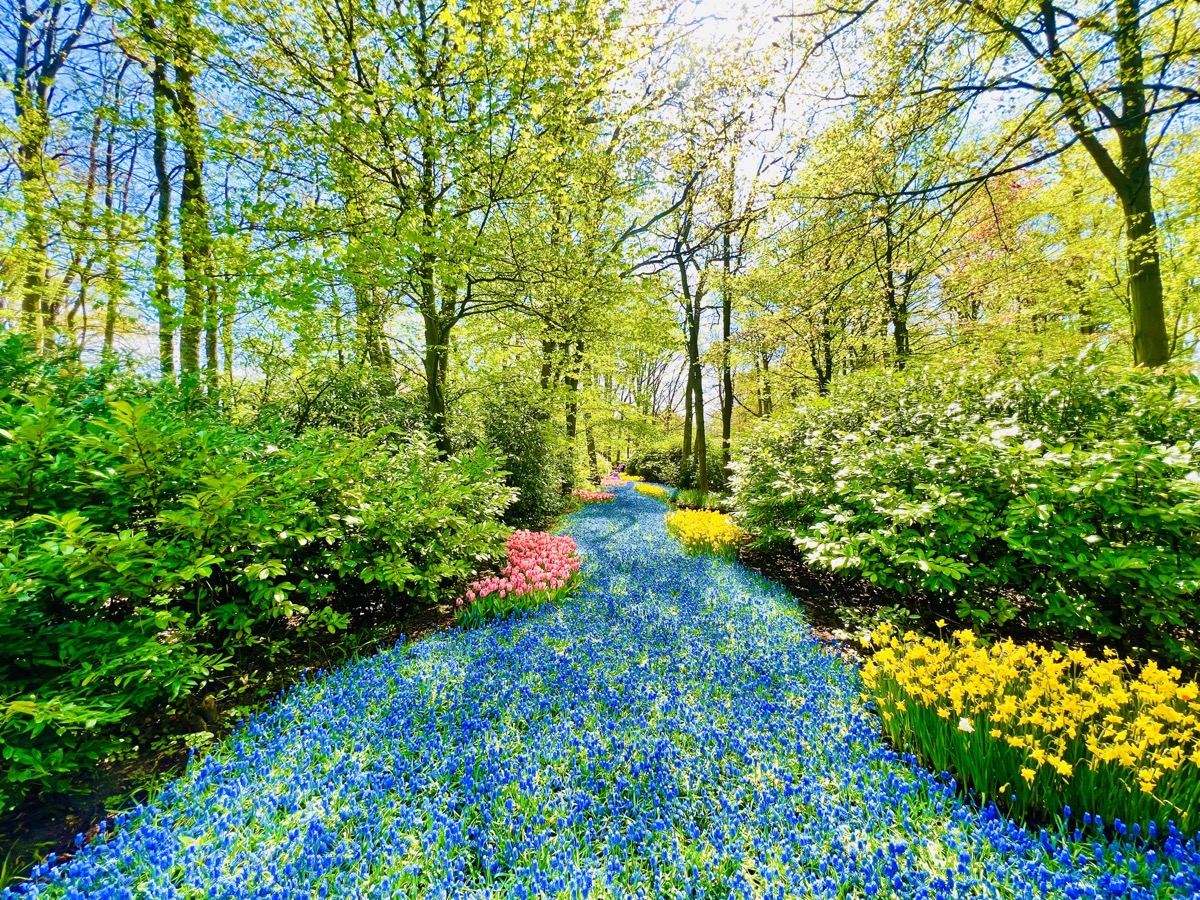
[[674, 731], [1044, 729], [657, 491], [704, 531]]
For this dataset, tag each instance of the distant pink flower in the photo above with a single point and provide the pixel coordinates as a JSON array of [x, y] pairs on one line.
[[593, 496]]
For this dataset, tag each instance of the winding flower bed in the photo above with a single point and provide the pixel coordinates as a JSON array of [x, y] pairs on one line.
[[675, 732]]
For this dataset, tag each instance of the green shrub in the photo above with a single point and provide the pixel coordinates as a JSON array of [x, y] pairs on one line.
[[356, 398], [690, 498], [660, 465], [1072, 490], [537, 458], [146, 544]]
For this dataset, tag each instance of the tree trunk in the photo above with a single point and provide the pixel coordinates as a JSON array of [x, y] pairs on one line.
[[41, 44], [437, 358], [726, 352], [767, 408], [193, 218], [589, 434], [35, 242], [701, 448], [1151, 346], [694, 418], [900, 332], [1131, 177], [161, 291], [571, 379], [687, 413], [228, 311], [112, 274], [547, 372], [211, 317], [33, 129]]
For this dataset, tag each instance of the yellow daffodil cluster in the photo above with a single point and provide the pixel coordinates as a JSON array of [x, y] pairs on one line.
[[633, 478], [703, 531], [657, 491], [1057, 726]]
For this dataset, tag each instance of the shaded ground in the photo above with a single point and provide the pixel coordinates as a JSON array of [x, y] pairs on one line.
[[841, 607], [831, 602]]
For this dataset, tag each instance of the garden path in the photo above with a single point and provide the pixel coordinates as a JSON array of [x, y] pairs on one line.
[[674, 731]]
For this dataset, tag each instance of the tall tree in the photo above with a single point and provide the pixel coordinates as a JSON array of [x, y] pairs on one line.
[[447, 112], [1109, 75], [45, 36]]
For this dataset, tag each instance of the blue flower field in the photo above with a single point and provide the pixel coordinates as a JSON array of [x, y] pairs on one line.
[[673, 731]]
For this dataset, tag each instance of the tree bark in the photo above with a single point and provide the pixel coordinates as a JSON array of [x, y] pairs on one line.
[[765, 387], [547, 373], [726, 353], [161, 291], [687, 413], [1150, 344], [112, 274], [696, 379], [37, 60], [193, 221], [1130, 177], [437, 364], [571, 379], [701, 448]]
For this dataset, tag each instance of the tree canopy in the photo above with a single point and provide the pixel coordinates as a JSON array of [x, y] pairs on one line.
[[671, 218]]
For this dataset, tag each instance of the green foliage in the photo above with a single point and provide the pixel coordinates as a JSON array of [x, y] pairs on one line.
[[357, 398], [1068, 493], [660, 465], [147, 545], [536, 456], [690, 498]]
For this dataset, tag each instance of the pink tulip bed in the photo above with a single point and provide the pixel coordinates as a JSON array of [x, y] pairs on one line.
[[540, 568], [592, 496], [610, 481]]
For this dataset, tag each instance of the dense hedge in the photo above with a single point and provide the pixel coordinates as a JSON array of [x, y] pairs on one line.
[[1073, 490], [536, 455], [145, 545], [660, 465]]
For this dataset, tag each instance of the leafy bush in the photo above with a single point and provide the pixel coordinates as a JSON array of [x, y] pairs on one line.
[[146, 545], [1070, 491], [657, 464], [1040, 729], [537, 458], [357, 398], [690, 498]]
